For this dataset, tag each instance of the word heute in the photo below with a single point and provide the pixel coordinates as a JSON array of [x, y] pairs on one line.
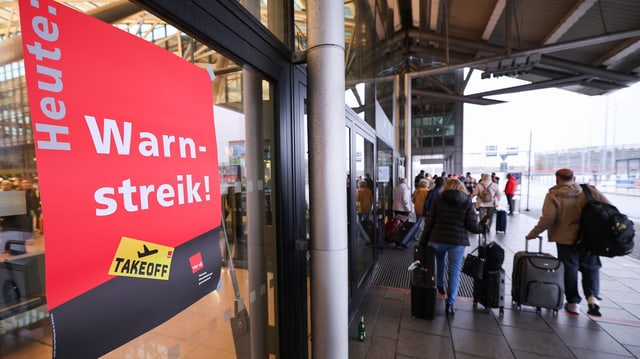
[[49, 80]]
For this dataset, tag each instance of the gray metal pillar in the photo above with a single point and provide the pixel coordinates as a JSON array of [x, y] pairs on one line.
[[407, 131], [256, 258], [328, 204], [254, 162]]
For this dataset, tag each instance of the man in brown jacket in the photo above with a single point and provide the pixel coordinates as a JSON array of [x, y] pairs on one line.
[[560, 217]]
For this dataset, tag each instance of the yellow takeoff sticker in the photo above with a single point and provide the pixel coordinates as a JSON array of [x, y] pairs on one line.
[[141, 259]]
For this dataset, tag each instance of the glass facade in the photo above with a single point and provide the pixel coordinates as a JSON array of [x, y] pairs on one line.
[[238, 317]]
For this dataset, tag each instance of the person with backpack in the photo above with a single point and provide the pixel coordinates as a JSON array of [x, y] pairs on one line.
[[561, 212], [487, 195]]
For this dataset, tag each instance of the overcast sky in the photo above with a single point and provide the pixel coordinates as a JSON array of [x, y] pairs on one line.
[[556, 119]]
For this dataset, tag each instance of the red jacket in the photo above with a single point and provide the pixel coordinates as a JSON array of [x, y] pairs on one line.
[[510, 187]]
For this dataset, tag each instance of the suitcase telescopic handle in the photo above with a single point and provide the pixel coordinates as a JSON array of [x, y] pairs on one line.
[[482, 239], [526, 244]]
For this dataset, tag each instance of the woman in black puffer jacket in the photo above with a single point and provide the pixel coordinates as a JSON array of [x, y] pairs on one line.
[[450, 219]]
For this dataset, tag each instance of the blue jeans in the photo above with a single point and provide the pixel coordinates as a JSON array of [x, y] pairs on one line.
[[576, 259], [454, 255]]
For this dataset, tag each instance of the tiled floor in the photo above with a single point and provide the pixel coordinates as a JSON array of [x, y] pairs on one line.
[[393, 333]]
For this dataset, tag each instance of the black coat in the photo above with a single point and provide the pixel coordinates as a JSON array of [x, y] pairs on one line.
[[450, 219]]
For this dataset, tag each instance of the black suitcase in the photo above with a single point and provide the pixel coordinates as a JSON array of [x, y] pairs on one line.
[[538, 280], [501, 220], [489, 290], [423, 284]]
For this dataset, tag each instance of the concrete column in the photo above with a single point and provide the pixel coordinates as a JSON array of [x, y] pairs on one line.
[[328, 201]]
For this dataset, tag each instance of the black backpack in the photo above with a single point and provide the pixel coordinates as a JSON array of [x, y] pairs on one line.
[[494, 256], [604, 231]]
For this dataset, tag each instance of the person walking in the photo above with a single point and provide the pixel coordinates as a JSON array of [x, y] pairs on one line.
[[510, 191], [450, 219], [402, 198], [418, 177], [369, 180], [487, 195], [470, 183], [495, 178], [561, 211], [364, 201], [433, 194], [419, 196]]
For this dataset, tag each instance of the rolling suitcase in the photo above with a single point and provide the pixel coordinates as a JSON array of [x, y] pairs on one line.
[[501, 221], [405, 230], [392, 226], [423, 284], [538, 280], [489, 290], [409, 232]]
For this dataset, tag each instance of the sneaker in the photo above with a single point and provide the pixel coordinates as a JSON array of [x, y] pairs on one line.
[[440, 290], [572, 308], [594, 308]]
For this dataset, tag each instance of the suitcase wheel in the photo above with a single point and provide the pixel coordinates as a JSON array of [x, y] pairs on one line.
[[538, 310]]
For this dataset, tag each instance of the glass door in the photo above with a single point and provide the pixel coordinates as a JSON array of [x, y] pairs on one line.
[[364, 240]]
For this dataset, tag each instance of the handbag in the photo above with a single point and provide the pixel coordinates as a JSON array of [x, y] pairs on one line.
[[473, 265]]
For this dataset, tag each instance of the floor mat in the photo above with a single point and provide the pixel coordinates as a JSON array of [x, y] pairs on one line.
[[392, 271]]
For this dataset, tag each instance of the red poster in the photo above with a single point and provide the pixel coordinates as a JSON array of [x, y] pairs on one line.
[[127, 165]]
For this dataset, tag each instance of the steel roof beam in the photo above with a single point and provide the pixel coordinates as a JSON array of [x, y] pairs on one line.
[[11, 49], [450, 97]]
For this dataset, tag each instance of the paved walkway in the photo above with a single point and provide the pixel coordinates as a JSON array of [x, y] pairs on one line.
[[393, 333]]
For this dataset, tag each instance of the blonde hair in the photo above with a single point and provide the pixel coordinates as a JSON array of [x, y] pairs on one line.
[[362, 184], [455, 184], [485, 176], [423, 183]]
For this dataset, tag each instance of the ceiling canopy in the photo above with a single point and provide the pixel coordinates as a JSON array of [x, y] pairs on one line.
[[590, 47]]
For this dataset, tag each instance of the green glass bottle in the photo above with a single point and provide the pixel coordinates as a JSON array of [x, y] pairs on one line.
[[362, 331]]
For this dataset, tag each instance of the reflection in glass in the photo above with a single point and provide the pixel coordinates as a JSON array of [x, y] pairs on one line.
[[271, 14], [217, 324], [364, 203]]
